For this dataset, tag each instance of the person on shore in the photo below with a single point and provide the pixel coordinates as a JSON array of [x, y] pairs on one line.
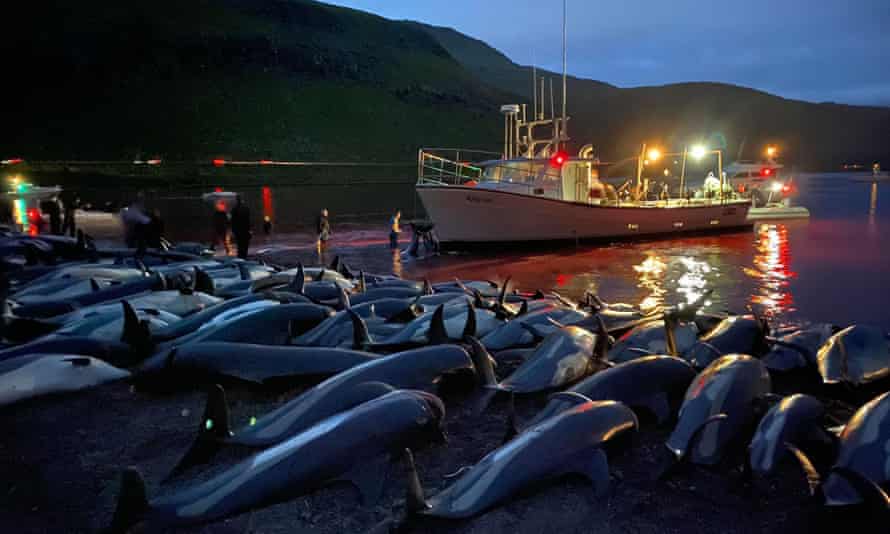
[[135, 224], [394, 230], [155, 230], [220, 228], [267, 226], [69, 225], [241, 227], [323, 227], [52, 209]]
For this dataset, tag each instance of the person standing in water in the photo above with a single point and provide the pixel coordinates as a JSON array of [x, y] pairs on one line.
[[241, 227], [394, 230], [323, 227]]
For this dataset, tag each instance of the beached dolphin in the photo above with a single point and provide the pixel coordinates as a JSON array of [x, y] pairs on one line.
[[861, 472], [564, 357], [856, 355], [654, 383], [219, 312], [202, 362], [420, 368], [794, 420], [798, 349], [63, 308], [428, 329], [266, 325], [516, 333], [570, 442], [31, 376], [718, 407], [352, 445], [652, 338], [737, 334]]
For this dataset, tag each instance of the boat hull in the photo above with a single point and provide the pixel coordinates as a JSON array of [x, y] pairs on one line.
[[476, 215]]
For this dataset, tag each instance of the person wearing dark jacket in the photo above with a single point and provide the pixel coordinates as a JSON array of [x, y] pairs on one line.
[[323, 227], [51, 207], [241, 227], [70, 203]]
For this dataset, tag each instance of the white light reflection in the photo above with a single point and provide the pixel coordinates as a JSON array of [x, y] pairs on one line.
[[689, 276]]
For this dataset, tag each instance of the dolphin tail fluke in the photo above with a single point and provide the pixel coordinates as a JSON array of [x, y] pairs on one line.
[[361, 338], [437, 334], [131, 504], [470, 326], [214, 428], [415, 501], [482, 362], [814, 481], [203, 282]]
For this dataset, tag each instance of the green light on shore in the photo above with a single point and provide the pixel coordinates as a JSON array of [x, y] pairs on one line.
[[208, 424]]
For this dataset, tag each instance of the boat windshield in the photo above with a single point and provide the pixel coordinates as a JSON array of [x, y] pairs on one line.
[[527, 172]]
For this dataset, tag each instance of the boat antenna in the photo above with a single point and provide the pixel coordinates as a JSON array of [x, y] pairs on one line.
[[552, 107], [535, 85], [563, 130], [738, 156], [541, 116]]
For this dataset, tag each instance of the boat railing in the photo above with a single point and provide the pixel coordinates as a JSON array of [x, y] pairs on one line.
[[451, 166]]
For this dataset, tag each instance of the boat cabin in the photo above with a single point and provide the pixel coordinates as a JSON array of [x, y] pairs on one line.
[[574, 180]]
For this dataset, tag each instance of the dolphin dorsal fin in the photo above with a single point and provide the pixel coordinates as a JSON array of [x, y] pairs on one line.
[[244, 271], [437, 334], [361, 339], [94, 285], [470, 326], [415, 501], [298, 284], [320, 276], [482, 362]]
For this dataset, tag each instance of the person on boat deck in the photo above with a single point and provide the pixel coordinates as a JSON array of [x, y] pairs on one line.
[[241, 227], [394, 230], [712, 185], [220, 228], [323, 227], [665, 192]]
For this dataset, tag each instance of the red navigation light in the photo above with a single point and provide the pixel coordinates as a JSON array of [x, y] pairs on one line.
[[766, 171], [265, 162], [219, 162], [786, 189], [218, 189], [153, 162], [559, 159], [33, 214], [13, 161]]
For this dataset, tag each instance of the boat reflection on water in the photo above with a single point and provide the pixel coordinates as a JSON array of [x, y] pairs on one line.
[[771, 271]]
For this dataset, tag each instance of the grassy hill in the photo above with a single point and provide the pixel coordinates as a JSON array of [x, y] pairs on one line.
[[259, 78], [616, 121], [296, 79]]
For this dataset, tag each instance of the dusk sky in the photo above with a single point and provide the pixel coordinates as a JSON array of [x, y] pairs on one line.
[[815, 50]]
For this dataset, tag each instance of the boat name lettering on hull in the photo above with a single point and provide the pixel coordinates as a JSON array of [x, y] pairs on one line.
[[479, 200]]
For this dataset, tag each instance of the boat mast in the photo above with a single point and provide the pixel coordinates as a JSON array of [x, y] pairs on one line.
[[535, 88], [563, 130]]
